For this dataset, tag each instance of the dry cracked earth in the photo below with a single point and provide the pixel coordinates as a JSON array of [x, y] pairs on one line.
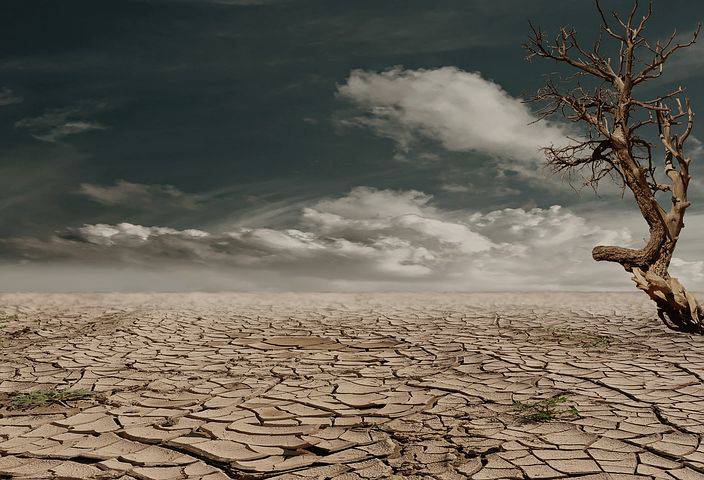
[[333, 386]]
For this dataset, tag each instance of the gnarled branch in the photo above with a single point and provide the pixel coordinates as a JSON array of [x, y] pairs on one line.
[[614, 116]]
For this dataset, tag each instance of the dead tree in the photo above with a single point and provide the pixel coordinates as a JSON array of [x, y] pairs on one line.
[[636, 141]]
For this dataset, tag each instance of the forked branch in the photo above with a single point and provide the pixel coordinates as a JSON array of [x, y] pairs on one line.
[[603, 98]]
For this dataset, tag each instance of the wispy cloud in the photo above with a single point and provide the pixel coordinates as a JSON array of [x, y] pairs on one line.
[[8, 97], [139, 195], [54, 125]]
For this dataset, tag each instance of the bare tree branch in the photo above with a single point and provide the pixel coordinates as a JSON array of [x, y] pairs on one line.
[[613, 115]]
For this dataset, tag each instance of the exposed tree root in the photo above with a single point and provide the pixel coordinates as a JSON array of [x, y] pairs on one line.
[[678, 308]]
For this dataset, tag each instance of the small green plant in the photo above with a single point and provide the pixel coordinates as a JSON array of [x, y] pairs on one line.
[[42, 398], [545, 410]]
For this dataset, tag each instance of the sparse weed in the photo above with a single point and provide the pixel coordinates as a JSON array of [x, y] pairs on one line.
[[545, 410], [42, 398], [588, 340]]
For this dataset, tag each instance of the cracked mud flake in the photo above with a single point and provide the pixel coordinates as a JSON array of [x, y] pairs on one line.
[[350, 387]]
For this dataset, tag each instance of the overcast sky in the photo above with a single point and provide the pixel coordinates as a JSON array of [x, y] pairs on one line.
[[303, 145]]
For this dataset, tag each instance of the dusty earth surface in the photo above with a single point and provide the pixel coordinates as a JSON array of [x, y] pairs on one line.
[[322, 386]]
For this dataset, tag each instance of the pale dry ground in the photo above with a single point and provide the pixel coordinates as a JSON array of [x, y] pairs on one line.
[[350, 387]]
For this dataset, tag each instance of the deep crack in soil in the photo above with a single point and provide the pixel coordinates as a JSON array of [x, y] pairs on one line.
[[349, 387]]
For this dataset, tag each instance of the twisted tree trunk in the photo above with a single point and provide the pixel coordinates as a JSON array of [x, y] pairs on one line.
[[613, 147], [678, 308]]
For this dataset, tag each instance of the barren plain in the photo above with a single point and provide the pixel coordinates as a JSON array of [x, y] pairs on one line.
[[346, 386]]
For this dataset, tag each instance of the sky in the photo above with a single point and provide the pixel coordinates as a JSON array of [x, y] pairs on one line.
[[295, 145]]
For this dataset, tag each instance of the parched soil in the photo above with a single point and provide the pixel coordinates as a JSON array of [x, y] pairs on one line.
[[345, 386]]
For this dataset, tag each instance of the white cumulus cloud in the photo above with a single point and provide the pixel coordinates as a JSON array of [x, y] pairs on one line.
[[461, 110], [368, 239]]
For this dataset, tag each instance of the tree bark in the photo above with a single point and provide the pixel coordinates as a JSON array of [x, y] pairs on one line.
[[613, 118], [678, 308]]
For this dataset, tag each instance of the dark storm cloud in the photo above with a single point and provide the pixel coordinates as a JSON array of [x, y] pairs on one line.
[[226, 115], [241, 2], [689, 63]]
